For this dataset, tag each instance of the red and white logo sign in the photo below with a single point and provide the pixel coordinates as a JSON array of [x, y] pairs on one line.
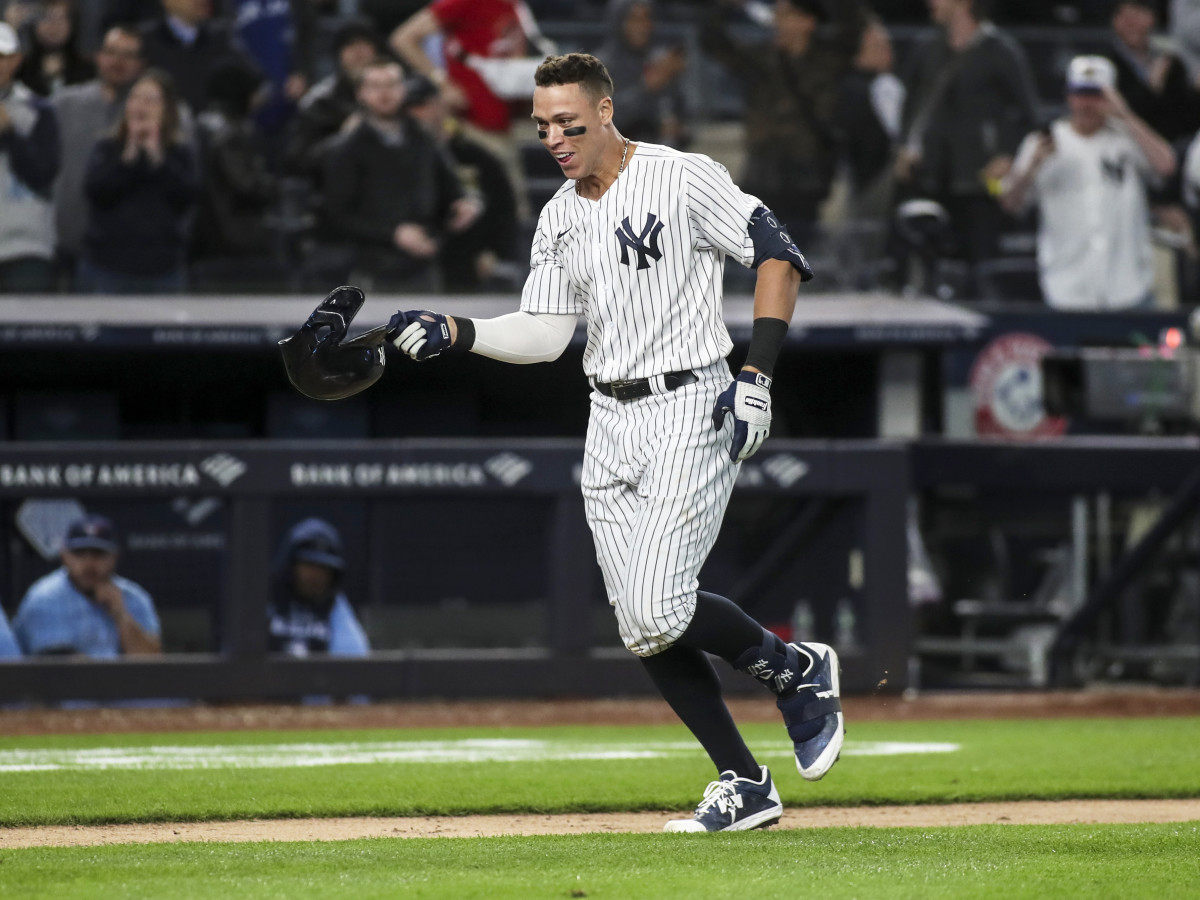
[[1006, 381]]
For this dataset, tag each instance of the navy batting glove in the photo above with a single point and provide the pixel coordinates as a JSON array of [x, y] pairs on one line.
[[748, 398], [419, 333]]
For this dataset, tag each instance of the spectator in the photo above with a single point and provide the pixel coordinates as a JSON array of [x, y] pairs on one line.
[[647, 77], [970, 101], [391, 191], [140, 185], [325, 108], [232, 248], [29, 159], [309, 612], [790, 88], [17, 13], [9, 648], [279, 38], [84, 607], [474, 33], [187, 43], [1088, 174], [867, 121], [52, 56], [1153, 81], [867, 125], [484, 256], [85, 113]]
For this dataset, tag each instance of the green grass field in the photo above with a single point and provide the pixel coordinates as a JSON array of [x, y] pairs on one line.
[[191, 777]]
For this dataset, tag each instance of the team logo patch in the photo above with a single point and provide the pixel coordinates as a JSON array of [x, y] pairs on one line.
[[645, 245], [1006, 381]]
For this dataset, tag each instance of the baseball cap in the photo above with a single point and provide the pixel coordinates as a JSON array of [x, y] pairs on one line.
[[1091, 73], [91, 533], [316, 541], [9, 42]]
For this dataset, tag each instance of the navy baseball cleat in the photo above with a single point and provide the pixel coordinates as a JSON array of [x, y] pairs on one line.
[[734, 804], [812, 712]]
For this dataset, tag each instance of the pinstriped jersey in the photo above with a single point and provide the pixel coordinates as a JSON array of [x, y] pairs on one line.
[[644, 263]]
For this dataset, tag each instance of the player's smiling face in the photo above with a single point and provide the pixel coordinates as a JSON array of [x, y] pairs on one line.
[[560, 107]]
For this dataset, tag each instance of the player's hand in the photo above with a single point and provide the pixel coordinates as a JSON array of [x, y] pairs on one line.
[[420, 333], [749, 399]]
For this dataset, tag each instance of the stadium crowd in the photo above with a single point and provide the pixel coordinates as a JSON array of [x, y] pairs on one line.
[[165, 146]]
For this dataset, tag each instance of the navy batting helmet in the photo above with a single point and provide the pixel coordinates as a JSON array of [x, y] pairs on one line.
[[319, 364]]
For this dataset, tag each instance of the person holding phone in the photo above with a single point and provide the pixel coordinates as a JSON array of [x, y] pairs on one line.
[[1088, 175]]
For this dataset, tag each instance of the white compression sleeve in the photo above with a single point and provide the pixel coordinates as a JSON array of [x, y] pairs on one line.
[[523, 337]]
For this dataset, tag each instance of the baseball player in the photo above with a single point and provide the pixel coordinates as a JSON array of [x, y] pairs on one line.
[[635, 242]]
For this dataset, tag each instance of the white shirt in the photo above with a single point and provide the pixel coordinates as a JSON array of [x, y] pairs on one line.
[[1094, 249], [652, 293]]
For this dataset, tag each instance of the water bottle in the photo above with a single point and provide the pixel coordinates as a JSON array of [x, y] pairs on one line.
[[802, 621]]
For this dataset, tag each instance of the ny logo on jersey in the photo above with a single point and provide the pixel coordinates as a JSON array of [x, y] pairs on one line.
[[638, 242], [1113, 170]]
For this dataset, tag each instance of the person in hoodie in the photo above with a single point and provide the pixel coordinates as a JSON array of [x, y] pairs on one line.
[[29, 159], [309, 612], [649, 93]]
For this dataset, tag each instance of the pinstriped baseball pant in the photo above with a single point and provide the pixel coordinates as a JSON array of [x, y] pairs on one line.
[[656, 481]]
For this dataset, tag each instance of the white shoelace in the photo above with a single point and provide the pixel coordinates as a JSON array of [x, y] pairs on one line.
[[722, 794]]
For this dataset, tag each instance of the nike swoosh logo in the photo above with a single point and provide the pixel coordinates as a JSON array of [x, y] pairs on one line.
[[561, 233]]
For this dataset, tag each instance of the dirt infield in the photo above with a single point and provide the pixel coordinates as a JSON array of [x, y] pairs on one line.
[[1024, 813], [641, 711], [1109, 702]]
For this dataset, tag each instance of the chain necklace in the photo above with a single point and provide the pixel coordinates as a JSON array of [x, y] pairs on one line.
[[620, 168]]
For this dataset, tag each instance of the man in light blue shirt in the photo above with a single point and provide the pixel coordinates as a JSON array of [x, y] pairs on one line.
[[84, 607]]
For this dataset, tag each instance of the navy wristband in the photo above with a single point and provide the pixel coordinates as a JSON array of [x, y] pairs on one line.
[[766, 340], [465, 339]]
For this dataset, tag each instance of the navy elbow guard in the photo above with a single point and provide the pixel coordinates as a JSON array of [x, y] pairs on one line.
[[771, 241]]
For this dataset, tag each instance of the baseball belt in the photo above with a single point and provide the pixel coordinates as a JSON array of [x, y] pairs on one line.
[[635, 388]]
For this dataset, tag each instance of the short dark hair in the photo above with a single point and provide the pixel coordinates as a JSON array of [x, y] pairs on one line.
[[582, 69]]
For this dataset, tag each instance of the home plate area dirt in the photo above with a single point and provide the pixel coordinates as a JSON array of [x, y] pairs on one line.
[[1127, 702]]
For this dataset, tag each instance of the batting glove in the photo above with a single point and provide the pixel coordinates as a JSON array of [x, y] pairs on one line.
[[749, 399], [419, 333]]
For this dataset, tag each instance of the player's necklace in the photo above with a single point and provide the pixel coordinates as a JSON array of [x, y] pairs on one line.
[[620, 168]]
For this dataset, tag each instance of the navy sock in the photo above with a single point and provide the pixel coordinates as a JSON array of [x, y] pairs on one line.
[[687, 681], [723, 628]]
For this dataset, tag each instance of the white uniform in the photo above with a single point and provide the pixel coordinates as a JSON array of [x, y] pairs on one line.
[[1094, 249], [644, 264]]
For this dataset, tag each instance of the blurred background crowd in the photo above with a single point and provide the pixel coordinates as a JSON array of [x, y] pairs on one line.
[[1004, 150]]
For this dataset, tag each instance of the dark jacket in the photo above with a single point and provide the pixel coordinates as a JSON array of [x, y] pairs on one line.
[[238, 189], [789, 108], [371, 186], [190, 66], [496, 228], [866, 145], [76, 68], [986, 107], [1174, 112], [137, 213], [322, 111]]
